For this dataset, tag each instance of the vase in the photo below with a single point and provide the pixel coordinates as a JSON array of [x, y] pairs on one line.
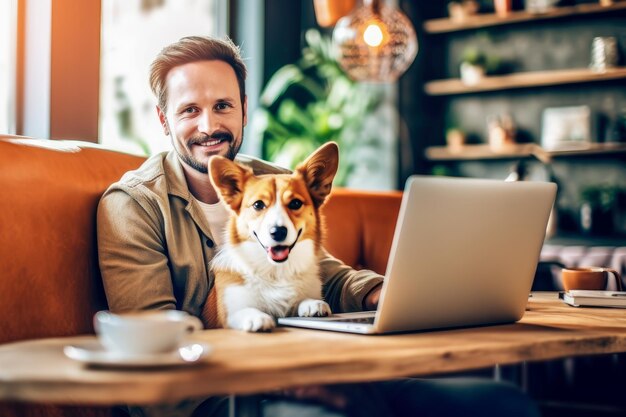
[[502, 7], [328, 12], [471, 74]]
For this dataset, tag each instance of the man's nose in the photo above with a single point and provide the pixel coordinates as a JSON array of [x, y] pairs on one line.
[[207, 123]]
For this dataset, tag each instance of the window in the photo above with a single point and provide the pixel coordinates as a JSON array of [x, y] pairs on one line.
[[133, 33], [8, 41]]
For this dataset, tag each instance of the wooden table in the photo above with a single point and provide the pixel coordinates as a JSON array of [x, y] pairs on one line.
[[243, 363]]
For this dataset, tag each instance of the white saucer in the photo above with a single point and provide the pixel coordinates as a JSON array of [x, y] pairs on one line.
[[93, 353]]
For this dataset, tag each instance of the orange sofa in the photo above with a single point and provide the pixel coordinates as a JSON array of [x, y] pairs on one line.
[[50, 284]]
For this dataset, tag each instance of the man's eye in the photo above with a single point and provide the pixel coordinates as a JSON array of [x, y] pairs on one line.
[[189, 110], [295, 204], [222, 106], [258, 205]]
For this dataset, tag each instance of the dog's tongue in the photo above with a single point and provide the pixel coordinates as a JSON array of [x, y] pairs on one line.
[[278, 253]]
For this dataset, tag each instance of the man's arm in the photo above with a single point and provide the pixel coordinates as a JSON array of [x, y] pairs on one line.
[[132, 255], [346, 289]]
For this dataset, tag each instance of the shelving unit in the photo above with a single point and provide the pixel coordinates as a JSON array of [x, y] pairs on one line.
[[523, 80], [548, 54], [447, 25], [485, 152]]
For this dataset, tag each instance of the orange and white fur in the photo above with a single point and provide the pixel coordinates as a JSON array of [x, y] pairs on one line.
[[269, 265]]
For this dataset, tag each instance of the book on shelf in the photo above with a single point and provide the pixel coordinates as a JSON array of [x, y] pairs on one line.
[[589, 298]]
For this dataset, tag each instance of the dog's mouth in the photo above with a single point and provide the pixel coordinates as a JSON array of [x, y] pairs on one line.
[[279, 253]]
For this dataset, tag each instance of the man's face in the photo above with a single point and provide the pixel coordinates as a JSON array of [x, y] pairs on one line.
[[205, 115]]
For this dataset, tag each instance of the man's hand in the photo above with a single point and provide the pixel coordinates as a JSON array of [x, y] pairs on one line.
[[370, 302]]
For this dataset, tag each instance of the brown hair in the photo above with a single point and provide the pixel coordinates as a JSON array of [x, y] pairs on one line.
[[192, 49]]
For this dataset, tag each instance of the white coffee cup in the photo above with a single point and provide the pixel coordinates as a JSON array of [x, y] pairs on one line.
[[144, 332]]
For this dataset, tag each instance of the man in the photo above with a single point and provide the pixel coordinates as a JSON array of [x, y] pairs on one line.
[[160, 226]]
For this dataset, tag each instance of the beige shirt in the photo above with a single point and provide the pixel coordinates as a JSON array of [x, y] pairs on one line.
[[217, 216], [155, 244]]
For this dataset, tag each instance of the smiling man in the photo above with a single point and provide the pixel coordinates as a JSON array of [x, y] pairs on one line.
[[160, 226]]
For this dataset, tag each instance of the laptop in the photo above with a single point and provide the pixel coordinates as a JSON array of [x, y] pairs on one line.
[[464, 253]]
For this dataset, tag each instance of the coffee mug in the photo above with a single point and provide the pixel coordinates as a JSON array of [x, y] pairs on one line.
[[588, 278], [145, 332]]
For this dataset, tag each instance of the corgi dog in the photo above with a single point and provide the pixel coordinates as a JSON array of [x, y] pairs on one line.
[[268, 266]]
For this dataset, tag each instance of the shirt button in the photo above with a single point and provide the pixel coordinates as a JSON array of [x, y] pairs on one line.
[[209, 242]]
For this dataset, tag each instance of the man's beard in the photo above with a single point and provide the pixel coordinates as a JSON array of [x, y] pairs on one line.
[[233, 149]]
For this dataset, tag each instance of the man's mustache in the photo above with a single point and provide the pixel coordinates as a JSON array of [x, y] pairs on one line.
[[200, 139]]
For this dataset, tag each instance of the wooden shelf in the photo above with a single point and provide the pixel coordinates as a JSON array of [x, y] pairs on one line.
[[523, 80], [526, 150], [485, 20]]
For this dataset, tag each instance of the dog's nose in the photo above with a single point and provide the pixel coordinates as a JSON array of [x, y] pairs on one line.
[[278, 233]]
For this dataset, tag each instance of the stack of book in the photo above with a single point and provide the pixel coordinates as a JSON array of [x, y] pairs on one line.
[[587, 298]]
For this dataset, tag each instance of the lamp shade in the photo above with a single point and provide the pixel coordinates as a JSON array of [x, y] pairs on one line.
[[376, 42]]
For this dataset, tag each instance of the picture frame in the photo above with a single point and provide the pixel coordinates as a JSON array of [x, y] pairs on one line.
[[566, 127]]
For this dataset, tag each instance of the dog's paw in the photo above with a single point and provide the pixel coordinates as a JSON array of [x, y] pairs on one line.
[[251, 320], [313, 308]]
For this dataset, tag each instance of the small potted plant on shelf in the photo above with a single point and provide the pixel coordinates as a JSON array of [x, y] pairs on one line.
[[473, 66], [459, 10]]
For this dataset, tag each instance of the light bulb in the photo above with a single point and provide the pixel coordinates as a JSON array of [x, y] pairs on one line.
[[373, 36], [375, 42]]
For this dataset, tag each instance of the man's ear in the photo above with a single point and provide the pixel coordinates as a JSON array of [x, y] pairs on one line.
[[228, 178], [318, 171], [163, 121]]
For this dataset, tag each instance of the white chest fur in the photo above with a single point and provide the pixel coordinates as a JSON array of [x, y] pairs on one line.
[[275, 289]]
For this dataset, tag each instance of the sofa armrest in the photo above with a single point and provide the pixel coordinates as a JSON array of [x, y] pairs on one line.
[[360, 227]]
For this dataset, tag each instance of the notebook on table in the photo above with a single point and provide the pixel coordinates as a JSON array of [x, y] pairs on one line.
[[464, 253]]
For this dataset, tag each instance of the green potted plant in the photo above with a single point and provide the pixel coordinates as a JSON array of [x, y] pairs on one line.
[[313, 101], [473, 66], [597, 209]]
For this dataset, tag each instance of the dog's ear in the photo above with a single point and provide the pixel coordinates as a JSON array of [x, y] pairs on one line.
[[318, 171], [228, 178]]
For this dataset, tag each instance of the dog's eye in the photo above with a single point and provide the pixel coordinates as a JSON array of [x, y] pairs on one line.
[[258, 205], [295, 204]]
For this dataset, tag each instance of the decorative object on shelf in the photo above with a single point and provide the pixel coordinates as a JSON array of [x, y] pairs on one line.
[[328, 12], [603, 53], [566, 127], [460, 10], [540, 6], [455, 140], [501, 132], [376, 42], [503, 7], [597, 209], [473, 66], [312, 102]]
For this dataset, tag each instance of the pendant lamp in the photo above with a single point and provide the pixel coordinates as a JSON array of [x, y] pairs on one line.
[[375, 43]]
